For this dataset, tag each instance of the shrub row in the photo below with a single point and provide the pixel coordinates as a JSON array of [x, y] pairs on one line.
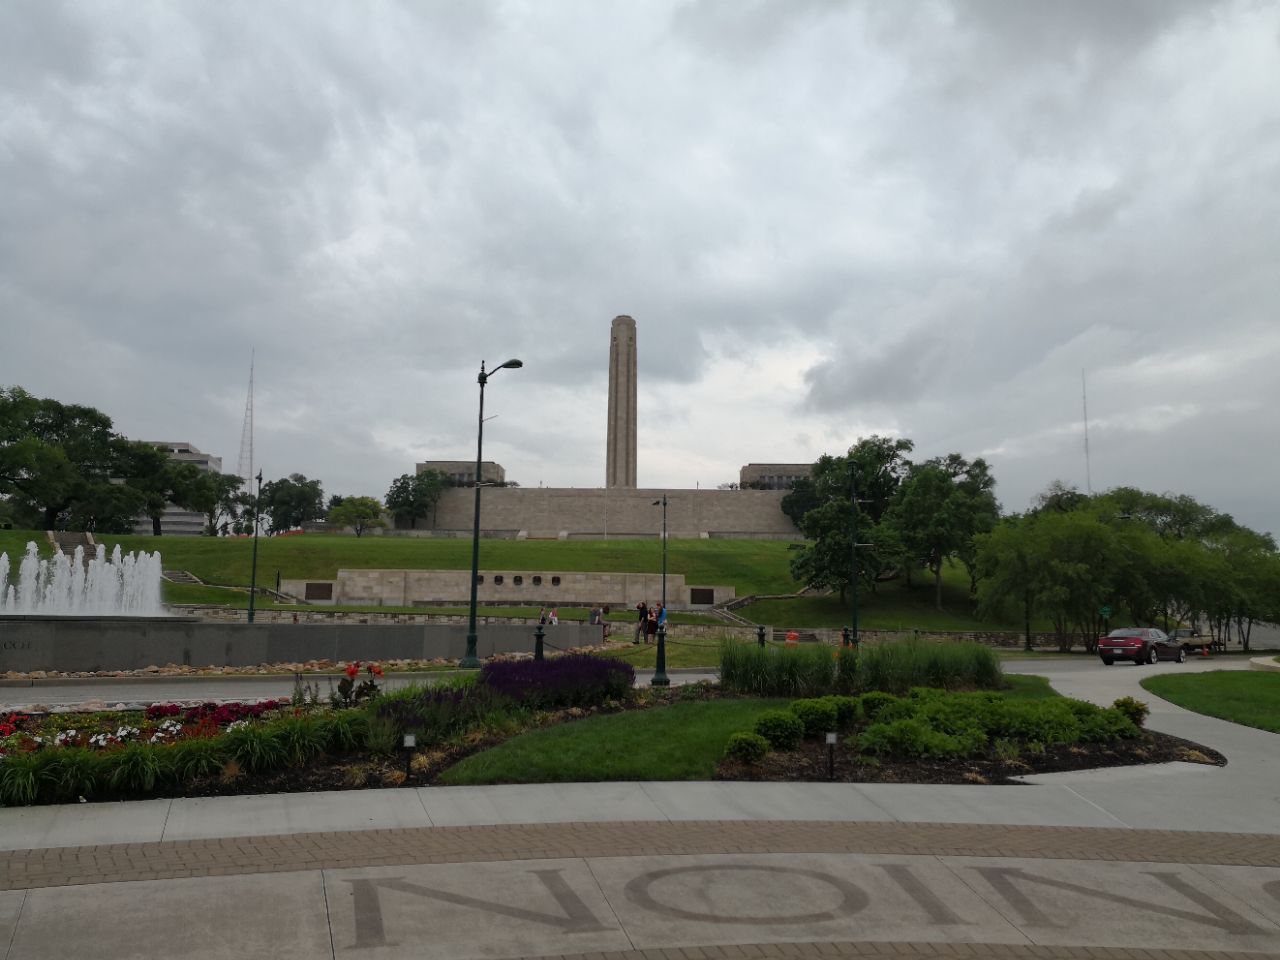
[[934, 723]]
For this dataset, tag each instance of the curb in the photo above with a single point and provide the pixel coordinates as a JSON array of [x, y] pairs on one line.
[[36, 682]]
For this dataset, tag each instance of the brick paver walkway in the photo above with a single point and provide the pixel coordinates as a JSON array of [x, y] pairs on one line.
[[906, 951], [66, 866]]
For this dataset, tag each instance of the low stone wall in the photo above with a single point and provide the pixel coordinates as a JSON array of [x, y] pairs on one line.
[[677, 632], [66, 644]]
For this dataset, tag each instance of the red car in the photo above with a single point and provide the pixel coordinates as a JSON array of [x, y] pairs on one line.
[[1141, 645]]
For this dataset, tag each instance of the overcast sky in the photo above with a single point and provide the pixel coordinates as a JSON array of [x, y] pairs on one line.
[[829, 219]]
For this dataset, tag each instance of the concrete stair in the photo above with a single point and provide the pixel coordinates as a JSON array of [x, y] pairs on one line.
[[181, 576]]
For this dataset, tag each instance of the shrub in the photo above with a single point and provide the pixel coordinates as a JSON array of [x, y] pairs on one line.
[[872, 703], [436, 713], [1106, 725], [848, 710], [1045, 721], [746, 747], [781, 728], [817, 716], [1134, 709], [573, 680], [911, 737]]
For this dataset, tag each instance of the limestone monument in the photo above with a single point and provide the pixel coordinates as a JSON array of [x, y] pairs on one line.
[[620, 466]]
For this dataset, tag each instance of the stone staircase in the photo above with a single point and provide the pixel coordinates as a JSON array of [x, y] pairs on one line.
[[65, 542], [181, 576]]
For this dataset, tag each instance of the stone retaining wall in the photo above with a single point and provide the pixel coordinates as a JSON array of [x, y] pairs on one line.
[[68, 645]]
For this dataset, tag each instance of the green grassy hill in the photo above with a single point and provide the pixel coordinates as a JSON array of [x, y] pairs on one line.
[[751, 566]]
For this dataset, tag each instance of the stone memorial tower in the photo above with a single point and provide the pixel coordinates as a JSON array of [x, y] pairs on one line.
[[620, 465]]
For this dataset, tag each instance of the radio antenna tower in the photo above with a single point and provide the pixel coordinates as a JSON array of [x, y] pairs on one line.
[[244, 469], [1084, 399]]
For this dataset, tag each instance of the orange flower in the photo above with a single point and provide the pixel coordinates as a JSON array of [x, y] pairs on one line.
[[375, 670], [353, 669]]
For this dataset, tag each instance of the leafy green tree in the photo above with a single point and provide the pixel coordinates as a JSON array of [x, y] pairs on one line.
[[292, 501], [358, 513], [413, 497], [54, 455], [1011, 569], [877, 466], [941, 506], [217, 496]]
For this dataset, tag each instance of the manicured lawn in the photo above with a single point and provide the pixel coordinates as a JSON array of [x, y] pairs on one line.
[[1028, 687], [693, 652], [1248, 697], [684, 741]]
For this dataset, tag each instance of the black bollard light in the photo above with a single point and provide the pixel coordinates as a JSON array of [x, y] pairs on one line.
[[660, 678], [760, 635], [537, 643]]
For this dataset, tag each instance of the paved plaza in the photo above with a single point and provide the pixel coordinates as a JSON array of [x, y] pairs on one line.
[[1169, 861]]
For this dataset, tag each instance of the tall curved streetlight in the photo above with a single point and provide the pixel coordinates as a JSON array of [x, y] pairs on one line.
[[470, 659], [253, 573], [660, 678]]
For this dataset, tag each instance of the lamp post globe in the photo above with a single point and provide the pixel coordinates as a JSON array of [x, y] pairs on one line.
[[470, 658]]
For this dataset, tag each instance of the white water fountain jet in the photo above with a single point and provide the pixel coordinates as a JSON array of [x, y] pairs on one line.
[[67, 586]]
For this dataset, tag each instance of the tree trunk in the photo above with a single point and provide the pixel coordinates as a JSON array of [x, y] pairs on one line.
[[1026, 614], [51, 518], [155, 526], [937, 585]]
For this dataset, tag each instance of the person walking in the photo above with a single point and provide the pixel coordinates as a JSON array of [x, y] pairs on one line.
[[553, 618], [643, 609], [651, 626]]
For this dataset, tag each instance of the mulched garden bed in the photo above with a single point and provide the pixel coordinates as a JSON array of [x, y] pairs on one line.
[[811, 763]]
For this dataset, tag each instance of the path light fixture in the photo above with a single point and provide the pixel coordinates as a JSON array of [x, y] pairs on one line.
[[660, 678], [253, 570], [470, 659]]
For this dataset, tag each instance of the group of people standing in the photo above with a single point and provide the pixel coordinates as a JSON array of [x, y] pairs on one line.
[[648, 621]]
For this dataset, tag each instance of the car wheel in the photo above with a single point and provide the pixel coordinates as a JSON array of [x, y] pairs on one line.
[[1153, 655], [1108, 661], [1182, 654]]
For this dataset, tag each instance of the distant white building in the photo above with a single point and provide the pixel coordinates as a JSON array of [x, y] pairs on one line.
[[176, 522]]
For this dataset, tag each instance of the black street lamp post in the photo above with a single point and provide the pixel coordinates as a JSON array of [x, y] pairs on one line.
[[660, 678], [851, 635], [253, 571], [470, 659]]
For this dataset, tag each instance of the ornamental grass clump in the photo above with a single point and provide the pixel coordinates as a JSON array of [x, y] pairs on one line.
[[808, 670], [572, 680], [897, 667]]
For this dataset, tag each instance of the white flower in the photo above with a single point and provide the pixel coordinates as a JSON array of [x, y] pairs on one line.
[[236, 725]]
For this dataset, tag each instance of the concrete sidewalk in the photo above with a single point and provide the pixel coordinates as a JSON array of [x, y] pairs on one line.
[[1172, 861]]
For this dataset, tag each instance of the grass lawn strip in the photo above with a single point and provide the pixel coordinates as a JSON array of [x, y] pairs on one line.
[[1251, 698], [684, 741]]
